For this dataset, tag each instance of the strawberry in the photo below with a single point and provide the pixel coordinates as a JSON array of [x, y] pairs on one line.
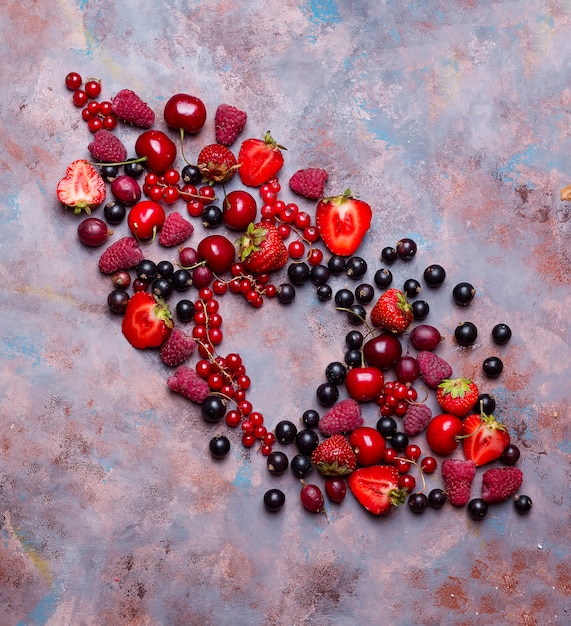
[[260, 160], [309, 182], [500, 483], [261, 249], [123, 254], [458, 476], [457, 396], [376, 488], [82, 187], [129, 108], [416, 419], [175, 230], [147, 322], [107, 147], [188, 383], [484, 438], [229, 122], [216, 163], [342, 222], [343, 417], [392, 311], [177, 348], [433, 369], [334, 457]]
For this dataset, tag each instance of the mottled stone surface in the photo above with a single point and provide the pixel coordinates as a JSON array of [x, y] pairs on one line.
[[453, 120]]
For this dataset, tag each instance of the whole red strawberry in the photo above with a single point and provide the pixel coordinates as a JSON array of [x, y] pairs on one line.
[[392, 311], [334, 457], [260, 160], [217, 163], [261, 249], [457, 396], [82, 188]]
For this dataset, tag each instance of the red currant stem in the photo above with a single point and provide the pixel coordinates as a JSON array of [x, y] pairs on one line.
[[300, 235], [194, 196], [420, 470], [191, 267], [421, 401]]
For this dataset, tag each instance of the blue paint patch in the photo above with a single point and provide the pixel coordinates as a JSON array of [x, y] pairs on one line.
[[82, 4], [13, 206], [21, 345], [322, 11], [44, 609], [509, 172], [243, 479]]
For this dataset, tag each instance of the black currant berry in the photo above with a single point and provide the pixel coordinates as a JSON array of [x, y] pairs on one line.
[[117, 301], [522, 503], [274, 499], [412, 287], [477, 508], [213, 408], [165, 269], [353, 358], [185, 310], [420, 309], [335, 373], [485, 404], [437, 498], [492, 366], [133, 169], [387, 426], [383, 278], [356, 314], [162, 287], [181, 280], [364, 293], [354, 339], [114, 212], [109, 172], [389, 255], [212, 216], [324, 293], [300, 465], [285, 431], [298, 273], [146, 269], [463, 293], [406, 249], [356, 267], [285, 293], [277, 462], [510, 456], [434, 275], [418, 502], [219, 446], [344, 298], [399, 441], [319, 274], [327, 394], [466, 334], [306, 441], [501, 333], [336, 265], [191, 175], [310, 418]]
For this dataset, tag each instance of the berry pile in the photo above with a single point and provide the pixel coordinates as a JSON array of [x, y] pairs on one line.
[[174, 307]]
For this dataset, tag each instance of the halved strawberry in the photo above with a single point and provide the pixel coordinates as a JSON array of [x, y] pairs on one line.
[[484, 438], [342, 222], [259, 160], [376, 488], [82, 187], [147, 322]]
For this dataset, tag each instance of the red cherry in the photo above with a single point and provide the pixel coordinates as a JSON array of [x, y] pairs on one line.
[[239, 209], [442, 432], [145, 219], [158, 148], [218, 251], [368, 444], [364, 383], [383, 351], [186, 112]]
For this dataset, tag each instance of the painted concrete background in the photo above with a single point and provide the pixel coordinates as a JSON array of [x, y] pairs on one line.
[[453, 119]]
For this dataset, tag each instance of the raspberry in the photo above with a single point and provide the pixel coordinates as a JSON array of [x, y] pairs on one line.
[[228, 124], [309, 182], [189, 384], [416, 418], [500, 483], [107, 147], [175, 230], [458, 477], [344, 417], [124, 254], [129, 108], [433, 368], [177, 348]]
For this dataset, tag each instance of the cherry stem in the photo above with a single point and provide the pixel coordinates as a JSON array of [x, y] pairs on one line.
[[181, 135], [139, 160]]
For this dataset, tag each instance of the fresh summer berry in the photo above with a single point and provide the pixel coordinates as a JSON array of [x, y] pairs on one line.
[[175, 230], [458, 477], [126, 190], [229, 122], [123, 254], [114, 212], [383, 278], [433, 369], [261, 249], [466, 334], [311, 497], [218, 252], [310, 418], [510, 455], [376, 488], [82, 188], [425, 337], [306, 441], [342, 222], [492, 366], [418, 503], [158, 150], [217, 163], [301, 465], [239, 209], [442, 433], [411, 287], [260, 160], [501, 334], [93, 88], [383, 351], [186, 382], [420, 309], [437, 498], [364, 383], [434, 275], [177, 348], [277, 462], [406, 249], [219, 446], [309, 182], [522, 504], [131, 109], [484, 439], [107, 147], [477, 508], [327, 394], [147, 322], [73, 81], [368, 445], [274, 499], [392, 311], [285, 431], [457, 396], [336, 489], [334, 457], [463, 293], [117, 301], [93, 232], [185, 112], [213, 408], [500, 483]]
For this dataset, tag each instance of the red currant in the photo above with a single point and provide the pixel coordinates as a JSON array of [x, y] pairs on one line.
[[172, 176], [93, 88], [412, 452], [73, 81], [248, 440], [170, 194], [79, 98], [109, 122], [95, 124], [233, 418], [302, 220], [296, 249], [407, 481], [207, 194], [105, 108], [195, 208], [428, 464]]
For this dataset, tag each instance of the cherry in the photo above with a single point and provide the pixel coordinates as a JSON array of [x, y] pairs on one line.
[[312, 498], [158, 149], [239, 209], [218, 251], [368, 445], [442, 432], [383, 351], [185, 112], [364, 383], [145, 219]]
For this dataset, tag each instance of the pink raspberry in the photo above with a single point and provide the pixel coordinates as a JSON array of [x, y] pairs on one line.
[[189, 384], [229, 122], [124, 254], [309, 182], [500, 483], [416, 418], [177, 348], [433, 369], [129, 108], [458, 477], [107, 147], [343, 417], [175, 230]]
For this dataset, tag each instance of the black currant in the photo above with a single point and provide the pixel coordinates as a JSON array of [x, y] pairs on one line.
[[114, 212], [277, 462], [319, 274], [181, 280], [485, 404], [389, 255], [146, 269], [353, 358], [327, 394], [510, 456], [354, 339], [133, 169], [109, 172], [324, 293], [219, 446], [501, 333], [463, 293], [420, 309], [434, 275], [310, 418], [344, 298], [162, 287], [212, 216], [213, 408], [285, 293], [412, 287], [300, 465], [406, 249], [364, 293], [356, 267], [522, 503], [466, 334], [185, 310], [399, 441], [418, 502], [356, 314], [274, 499], [383, 278], [306, 441], [165, 269], [437, 498], [117, 301], [492, 366], [336, 264], [336, 372], [387, 426], [477, 508], [191, 175], [285, 431], [298, 273]]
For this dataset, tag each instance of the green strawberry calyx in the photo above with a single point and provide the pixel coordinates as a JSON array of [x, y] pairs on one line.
[[251, 241], [455, 387], [270, 141]]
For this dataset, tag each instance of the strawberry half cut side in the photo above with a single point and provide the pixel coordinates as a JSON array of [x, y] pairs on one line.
[[82, 188]]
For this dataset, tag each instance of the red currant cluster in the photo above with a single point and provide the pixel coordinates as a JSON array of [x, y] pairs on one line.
[[98, 115], [252, 286], [395, 398], [165, 188]]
